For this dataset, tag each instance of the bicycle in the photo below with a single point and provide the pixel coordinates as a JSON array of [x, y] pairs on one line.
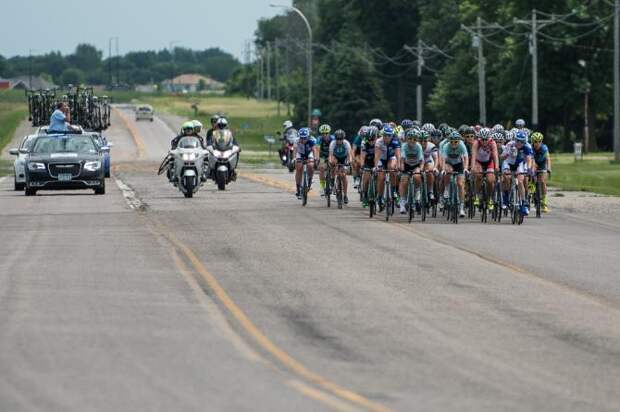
[[453, 200], [388, 196], [470, 191], [371, 192], [304, 184], [515, 200], [538, 193], [496, 215], [328, 183], [339, 185]]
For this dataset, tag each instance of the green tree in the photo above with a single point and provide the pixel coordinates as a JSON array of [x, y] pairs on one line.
[[72, 76]]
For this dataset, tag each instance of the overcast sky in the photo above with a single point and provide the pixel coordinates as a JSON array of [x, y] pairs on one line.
[[46, 25]]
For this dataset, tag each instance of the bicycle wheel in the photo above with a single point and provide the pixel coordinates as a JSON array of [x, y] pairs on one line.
[[484, 201], [387, 198], [538, 196], [304, 188], [339, 190], [410, 199], [328, 189], [370, 195]]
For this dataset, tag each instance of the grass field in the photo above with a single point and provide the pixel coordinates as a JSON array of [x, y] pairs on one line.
[[593, 174], [251, 120]]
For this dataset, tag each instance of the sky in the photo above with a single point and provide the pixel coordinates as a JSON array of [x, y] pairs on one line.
[[49, 25]]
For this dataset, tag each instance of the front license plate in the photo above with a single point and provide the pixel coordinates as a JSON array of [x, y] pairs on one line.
[[64, 177]]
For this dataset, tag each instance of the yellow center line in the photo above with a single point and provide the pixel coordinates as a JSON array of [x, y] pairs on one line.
[[133, 131], [263, 341], [268, 181]]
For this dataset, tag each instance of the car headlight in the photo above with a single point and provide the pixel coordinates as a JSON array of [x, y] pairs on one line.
[[92, 166], [34, 166], [189, 157]]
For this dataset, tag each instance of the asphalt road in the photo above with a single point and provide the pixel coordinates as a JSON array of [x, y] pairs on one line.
[[244, 300]]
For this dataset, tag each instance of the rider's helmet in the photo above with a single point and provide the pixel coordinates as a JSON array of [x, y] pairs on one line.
[[373, 132], [340, 134], [442, 127], [377, 123], [387, 131], [497, 128], [197, 126], [304, 133], [423, 135], [407, 124], [428, 127], [214, 119], [537, 137], [363, 131], [485, 133], [435, 135], [416, 123], [454, 136], [520, 123], [325, 129], [222, 123], [521, 137], [498, 137], [413, 134], [462, 128], [187, 129], [287, 125], [509, 135]]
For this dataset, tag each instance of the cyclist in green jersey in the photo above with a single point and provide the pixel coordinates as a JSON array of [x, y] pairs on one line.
[[324, 140]]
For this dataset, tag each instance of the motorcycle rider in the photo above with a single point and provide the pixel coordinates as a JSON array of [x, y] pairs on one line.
[[209, 138], [186, 130], [287, 127], [221, 125]]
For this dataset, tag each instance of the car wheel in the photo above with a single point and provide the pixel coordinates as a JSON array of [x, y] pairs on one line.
[[30, 191], [151, 119], [101, 189]]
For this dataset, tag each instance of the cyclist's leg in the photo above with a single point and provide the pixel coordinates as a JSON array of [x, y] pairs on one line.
[[477, 172], [402, 187], [322, 163], [345, 182], [298, 171], [393, 180], [380, 182], [310, 167], [430, 178]]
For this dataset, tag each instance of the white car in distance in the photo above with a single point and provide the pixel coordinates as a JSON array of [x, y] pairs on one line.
[[19, 164], [144, 112]]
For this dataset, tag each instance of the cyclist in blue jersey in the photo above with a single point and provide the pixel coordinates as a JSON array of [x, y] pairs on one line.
[[542, 162], [517, 157], [306, 150], [387, 158]]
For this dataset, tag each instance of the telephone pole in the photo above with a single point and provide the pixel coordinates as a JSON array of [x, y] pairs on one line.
[[482, 91], [268, 71], [419, 87], [277, 72], [617, 80], [535, 25]]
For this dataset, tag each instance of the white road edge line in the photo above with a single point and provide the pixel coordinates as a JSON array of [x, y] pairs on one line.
[[130, 196]]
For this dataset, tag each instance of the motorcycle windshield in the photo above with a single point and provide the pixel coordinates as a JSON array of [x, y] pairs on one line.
[[189, 142], [222, 139], [292, 136]]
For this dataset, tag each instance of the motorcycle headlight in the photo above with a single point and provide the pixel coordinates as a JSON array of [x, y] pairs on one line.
[[34, 166], [189, 157], [92, 166]]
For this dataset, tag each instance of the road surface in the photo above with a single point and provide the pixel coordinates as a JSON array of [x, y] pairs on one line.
[[244, 300]]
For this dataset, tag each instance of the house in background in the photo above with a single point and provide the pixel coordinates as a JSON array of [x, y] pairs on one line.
[[192, 83], [5, 84], [23, 83]]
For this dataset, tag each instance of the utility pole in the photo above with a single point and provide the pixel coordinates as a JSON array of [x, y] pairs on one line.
[[536, 24], [617, 80], [419, 87], [118, 58], [482, 92], [30, 69], [257, 74], [261, 84], [277, 72], [288, 76], [268, 71], [110, 60]]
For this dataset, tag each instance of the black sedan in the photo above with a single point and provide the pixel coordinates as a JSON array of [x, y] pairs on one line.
[[64, 161]]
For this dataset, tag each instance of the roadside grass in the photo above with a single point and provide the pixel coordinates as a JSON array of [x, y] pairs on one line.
[[250, 119], [593, 174], [13, 110], [6, 167]]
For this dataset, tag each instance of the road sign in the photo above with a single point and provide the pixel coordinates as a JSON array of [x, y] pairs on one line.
[[578, 151]]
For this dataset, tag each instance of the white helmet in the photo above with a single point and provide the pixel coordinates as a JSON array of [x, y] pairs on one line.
[[197, 125], [520, 123], [222, 123], [287, 124]]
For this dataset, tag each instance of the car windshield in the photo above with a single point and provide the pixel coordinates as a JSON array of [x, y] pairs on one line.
[[144, 109], [27, 143], [189, 142], [64, 144]]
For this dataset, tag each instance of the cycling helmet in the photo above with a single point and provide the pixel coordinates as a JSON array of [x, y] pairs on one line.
[[521, 137], [442, 126], [363, 131], [197, 126], [387, 131], [454, 135], [304, 133], [325, 129], [498, 137], [412, 133], [428, 127], [485, 133], [287, 124], [435, 135], [222, 123], [214, 119], [509, 135], [373, 132], [497, 128], [423, 135], [462, 128], [340, 134], [520, 123], [407, 124], [377, 123], [537, 137]]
